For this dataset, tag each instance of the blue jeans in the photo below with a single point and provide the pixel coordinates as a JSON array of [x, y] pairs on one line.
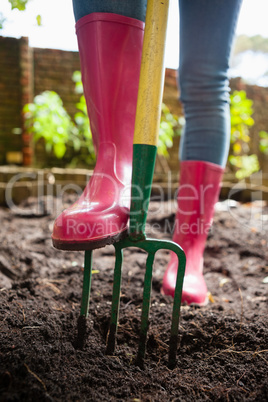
[[207, 29], [129, 8]]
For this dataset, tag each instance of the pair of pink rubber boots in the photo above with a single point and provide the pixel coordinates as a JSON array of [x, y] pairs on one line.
[[110, 48]]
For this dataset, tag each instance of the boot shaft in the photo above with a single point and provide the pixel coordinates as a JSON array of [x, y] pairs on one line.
[[110, 48], [198, 192]]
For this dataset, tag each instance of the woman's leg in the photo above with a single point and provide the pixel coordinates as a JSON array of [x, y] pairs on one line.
[[207, 29], [110, 37]]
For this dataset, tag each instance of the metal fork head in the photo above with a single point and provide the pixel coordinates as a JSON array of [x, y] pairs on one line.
[[151, 246]]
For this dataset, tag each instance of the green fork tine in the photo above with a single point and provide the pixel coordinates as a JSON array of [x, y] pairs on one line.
[[86, 283]]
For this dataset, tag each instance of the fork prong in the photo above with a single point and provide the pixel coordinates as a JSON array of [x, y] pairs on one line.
[[145, 308], [115, 300], [86, 283], [173, 343]]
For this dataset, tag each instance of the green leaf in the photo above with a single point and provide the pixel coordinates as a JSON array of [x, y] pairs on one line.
[[59, 150], [246, 164], [2, 20], [78, 82], [18, 4], [263, 145], [170, 126], [39, 20]]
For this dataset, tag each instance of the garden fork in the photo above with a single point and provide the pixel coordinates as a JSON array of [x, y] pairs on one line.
[[144, 154]]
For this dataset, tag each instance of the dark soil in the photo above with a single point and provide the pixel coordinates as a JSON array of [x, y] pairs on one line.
[[222, 353]]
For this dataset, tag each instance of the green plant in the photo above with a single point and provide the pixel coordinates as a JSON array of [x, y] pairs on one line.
[[263, 142], [81, 119], [170, 126], [21, 6], [241, 112], [47, 119]]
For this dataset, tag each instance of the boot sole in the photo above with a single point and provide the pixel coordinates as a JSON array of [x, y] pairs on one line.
[[185, 303], [89, 245]]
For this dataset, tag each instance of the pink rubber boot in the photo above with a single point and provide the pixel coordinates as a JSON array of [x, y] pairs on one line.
[[110, 48], [198, 192]]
